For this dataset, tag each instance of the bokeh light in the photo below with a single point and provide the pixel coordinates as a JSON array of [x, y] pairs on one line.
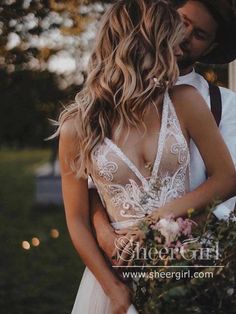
[[35, 241], [25, 245], [54, 233]]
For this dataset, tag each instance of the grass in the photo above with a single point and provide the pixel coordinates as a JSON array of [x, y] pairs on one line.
[[43, 279]]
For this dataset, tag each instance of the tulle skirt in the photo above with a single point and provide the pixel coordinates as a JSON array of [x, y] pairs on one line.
[[91, 298]]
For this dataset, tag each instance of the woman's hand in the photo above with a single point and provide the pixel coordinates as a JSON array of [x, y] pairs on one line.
[[154, 217], [120, 297], [158, 214]]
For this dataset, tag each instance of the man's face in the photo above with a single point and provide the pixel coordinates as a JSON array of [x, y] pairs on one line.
[[200, 34]]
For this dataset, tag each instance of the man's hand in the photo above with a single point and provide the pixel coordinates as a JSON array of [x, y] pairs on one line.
[[116, 244], [107, 244], [126, 245]]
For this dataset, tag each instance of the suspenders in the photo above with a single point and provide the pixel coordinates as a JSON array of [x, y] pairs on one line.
[[216, 102]]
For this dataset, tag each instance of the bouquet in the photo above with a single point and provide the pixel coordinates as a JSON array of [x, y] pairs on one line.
[[183, 268]]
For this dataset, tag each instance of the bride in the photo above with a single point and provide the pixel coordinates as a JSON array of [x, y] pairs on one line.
[[129, 129]]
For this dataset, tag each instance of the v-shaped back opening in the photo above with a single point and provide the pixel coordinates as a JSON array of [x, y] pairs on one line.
[[160, 145]]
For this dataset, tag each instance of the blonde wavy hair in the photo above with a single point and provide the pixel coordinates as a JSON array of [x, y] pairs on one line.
[[131, 66]]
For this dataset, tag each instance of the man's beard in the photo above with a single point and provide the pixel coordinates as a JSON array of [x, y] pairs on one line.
[[185, 62]]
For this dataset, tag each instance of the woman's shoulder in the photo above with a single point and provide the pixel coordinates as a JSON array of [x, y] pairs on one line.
[[68, 128], [184, 91], [186, 97], [189, 104], [68, 140]]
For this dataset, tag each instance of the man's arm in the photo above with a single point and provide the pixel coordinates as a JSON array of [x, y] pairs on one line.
[[228, 132], [193, 112], [103, 230]]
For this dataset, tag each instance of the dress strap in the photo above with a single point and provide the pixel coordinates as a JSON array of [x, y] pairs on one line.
[[162, 135]]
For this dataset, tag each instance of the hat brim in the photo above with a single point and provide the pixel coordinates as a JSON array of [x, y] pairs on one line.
[[221, 55]]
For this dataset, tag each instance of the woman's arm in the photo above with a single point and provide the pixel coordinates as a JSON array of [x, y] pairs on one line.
[[200, 125], [76, 200]]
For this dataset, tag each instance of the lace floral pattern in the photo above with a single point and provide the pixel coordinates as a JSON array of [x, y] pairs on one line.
[[139, 196], [106, 168]]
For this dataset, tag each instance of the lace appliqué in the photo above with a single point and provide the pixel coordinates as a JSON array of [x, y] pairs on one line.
[[141, 196], [105, 168], [180, 149], [134, 200]]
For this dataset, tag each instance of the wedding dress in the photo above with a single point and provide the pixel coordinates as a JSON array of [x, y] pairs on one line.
[[128, 195]]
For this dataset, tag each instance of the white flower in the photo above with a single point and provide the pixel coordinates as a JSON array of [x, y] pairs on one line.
[[169, 228], [230, 291]]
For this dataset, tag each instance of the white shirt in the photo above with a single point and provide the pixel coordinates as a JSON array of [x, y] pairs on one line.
[[228, 131]]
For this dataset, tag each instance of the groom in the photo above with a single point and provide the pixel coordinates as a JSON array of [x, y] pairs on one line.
[[210, 38]]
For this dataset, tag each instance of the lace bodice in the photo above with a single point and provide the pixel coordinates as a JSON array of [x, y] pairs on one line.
[[126, 194]]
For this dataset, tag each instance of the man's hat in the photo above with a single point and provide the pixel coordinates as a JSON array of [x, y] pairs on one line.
[[224, 12]]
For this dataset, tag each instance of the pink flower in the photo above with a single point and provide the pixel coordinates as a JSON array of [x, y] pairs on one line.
[[158, 239], [178, 244], [185, 226]]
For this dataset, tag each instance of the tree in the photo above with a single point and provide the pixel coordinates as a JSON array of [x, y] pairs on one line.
[[44, 49], [48, 35]]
